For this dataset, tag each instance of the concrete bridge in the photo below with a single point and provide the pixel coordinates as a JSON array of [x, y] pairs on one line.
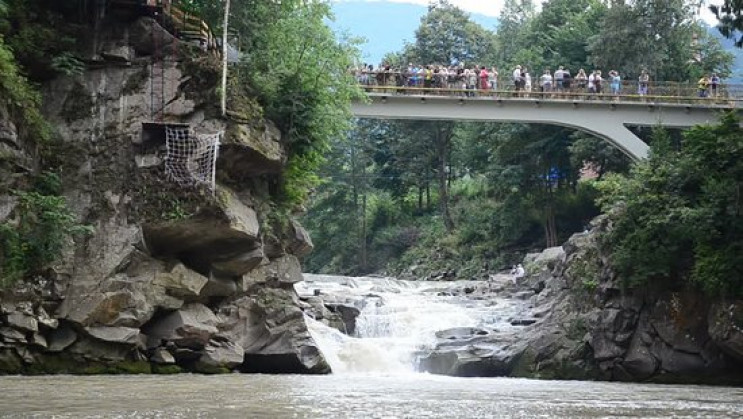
[[602, 116]]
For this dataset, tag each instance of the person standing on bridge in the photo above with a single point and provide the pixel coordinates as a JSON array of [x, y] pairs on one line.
[[714, 81], [598, 82], [526, 77], [642, 83], [517, 79], [493, 79], [703, 86], [484, 76], [581, 80], [559, 78], [545, 83], [616, 82]]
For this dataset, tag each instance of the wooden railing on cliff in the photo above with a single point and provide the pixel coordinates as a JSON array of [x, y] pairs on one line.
[[183, 24]]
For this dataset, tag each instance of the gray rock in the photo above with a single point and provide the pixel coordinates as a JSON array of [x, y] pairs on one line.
[[39, 340], [192, 326], [725, 331], [270, 327], [61, 338], [240, 264], [162, 356], [220, 353], [45, 320], [638, 361], [125, 335], [23, 322], [120, 53], [180, 281], [12, 335], [687, 336], [147, 160], [7, 204], [98, 350], [300, 243], [219, 287], [348, 314], [249, 151], [460, 333], [148, 37]]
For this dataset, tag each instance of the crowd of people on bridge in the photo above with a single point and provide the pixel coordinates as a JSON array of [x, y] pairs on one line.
[[475, 79]]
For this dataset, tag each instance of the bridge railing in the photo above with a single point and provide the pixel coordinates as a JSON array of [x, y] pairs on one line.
[[660, 92]]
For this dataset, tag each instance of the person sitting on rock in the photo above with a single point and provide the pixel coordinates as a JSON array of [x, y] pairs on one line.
[[520, 272]]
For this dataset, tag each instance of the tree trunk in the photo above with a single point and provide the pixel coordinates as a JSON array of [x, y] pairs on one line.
[[364, 259], [420, 199], [428, 194], [443, 139]]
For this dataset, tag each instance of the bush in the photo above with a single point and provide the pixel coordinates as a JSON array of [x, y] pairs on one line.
[[677, 216], [38, 237]]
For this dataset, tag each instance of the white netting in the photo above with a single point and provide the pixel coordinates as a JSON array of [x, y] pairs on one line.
[[191, 158]]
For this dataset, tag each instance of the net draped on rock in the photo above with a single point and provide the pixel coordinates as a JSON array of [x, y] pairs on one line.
[[191, 157]]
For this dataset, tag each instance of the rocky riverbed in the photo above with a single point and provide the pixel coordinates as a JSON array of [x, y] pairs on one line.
[[569, 318]]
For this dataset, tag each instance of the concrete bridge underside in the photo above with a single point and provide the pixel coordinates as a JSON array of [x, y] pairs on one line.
[[605, 119]]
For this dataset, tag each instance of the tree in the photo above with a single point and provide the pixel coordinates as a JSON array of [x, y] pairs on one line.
[[447, 35], [730, 16], [678, 216], [661, 36]]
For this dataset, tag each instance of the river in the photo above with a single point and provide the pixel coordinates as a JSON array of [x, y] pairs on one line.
[[375, 373], [354, 396]]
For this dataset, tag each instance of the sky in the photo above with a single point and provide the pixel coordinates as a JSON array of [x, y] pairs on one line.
[[492, 7]]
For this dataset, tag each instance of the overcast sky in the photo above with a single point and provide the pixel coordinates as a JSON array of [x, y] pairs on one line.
[[493, 7]]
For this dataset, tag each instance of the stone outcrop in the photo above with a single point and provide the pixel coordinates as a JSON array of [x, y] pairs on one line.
[[584, 324], [173, 277]]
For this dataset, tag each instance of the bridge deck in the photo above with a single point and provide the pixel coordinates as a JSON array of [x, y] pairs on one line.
[[604, 116]]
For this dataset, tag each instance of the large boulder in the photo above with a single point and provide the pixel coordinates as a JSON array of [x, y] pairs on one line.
[[725, 322], [192, 326], [120, 301], [180, 281], [249, 150], [270, 327], [124, 335], [225, 238], [219, 355], [300, 242]]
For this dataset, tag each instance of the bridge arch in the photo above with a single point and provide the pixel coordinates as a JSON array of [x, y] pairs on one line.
[[605, 119]]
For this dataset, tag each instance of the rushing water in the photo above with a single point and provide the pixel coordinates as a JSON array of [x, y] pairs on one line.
[[375, 374], [399, 319]]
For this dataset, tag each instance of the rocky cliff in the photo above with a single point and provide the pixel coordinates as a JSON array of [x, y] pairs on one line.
[[172, 277], [584, 323]]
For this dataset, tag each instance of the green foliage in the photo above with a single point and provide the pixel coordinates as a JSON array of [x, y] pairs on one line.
[[68, 64], [21, 98], [44, 223], [677, 216], [43, 35], [730, 15], [447, 36], [303, 85]]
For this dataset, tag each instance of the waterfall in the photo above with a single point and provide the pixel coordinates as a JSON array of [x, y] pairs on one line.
[[398, 320]]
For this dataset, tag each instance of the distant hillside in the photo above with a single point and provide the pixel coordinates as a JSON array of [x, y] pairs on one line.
[[386, 26], [729, 45]]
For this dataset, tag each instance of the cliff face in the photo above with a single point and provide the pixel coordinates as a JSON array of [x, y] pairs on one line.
[[595, 327], [173, 277]]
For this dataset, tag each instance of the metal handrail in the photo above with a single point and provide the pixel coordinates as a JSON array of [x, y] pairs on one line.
[[718, 101]]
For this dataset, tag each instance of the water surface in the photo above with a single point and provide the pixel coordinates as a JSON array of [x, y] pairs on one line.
[[353, 396]]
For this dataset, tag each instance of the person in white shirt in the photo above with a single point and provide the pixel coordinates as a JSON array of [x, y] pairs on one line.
[[546, 82], [517, 81]]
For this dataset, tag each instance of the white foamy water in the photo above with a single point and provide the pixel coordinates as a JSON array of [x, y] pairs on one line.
[[398, 320]]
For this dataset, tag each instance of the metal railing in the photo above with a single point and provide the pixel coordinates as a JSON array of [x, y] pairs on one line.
[[724, 95]]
